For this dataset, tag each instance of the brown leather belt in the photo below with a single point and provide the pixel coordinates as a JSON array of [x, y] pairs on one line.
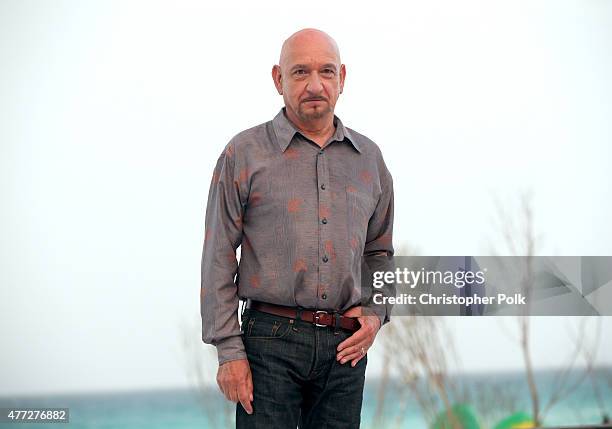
[[318, 317]]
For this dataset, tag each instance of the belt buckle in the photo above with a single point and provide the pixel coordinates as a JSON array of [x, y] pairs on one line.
[[317, 317]]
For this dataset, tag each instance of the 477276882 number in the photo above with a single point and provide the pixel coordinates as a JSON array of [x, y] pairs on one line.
[[34, 415]]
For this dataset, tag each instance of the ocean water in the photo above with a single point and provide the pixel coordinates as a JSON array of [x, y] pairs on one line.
[[492, 395]]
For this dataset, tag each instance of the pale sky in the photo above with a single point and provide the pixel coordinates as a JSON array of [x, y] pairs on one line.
[[113, 113]]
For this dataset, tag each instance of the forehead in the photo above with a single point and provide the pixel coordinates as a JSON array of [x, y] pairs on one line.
[[310, 51]]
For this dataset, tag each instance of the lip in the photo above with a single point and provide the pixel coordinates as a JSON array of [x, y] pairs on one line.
[[314, 101]]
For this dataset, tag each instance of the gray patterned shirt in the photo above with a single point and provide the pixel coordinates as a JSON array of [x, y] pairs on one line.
[[304, 216]]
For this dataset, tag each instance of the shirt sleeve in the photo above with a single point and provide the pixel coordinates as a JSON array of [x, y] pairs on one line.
[[378, 251], [222, 236]]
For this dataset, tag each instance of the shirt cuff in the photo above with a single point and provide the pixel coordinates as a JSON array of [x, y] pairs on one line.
[[231, 348]]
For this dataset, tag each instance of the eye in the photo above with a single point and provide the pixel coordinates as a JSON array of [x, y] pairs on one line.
[[328, 71], [299, 71]]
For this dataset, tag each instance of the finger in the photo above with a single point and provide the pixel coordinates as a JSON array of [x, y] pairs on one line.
[[358, 336], [234, 395], [245, 399], [250, 386], [352, 352], [354, 361], [226, 393], [354, 349], [347, 352], [350, 356]]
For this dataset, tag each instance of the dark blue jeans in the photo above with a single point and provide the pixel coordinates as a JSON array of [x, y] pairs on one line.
[[297, 381]]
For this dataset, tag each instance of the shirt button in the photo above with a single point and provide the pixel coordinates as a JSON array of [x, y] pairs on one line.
[[323, 186], [325, 258], [321, 152], [324, 296], [324, 220]]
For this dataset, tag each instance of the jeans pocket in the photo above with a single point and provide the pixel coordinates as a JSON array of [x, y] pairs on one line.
[[261, 326]]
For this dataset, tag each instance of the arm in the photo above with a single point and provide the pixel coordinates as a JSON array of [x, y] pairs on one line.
[[218, 292], [378, 250], [377, 254], [223, 235]]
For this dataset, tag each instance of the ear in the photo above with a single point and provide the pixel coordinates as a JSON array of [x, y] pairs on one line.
[[277, 78], [342, 76]]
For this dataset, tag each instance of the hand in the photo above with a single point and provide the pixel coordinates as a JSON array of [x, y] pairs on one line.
[[350, 349], [235, 381]]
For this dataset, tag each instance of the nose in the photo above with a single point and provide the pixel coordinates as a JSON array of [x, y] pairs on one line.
[[314, 86]]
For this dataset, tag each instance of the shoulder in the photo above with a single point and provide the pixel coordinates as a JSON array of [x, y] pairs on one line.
[[368, 147], [366, 144], [371, 150], [240, 142]]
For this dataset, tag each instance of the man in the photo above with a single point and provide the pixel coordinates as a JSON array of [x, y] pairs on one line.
[[307, 198]]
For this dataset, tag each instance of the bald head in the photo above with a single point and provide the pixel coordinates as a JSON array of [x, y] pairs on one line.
[[308, 41]]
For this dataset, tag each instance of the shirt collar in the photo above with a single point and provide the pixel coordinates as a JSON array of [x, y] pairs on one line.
[[285, 130]]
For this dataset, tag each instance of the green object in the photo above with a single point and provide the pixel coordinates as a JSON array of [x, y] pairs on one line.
[[516, 421], [463, 414]]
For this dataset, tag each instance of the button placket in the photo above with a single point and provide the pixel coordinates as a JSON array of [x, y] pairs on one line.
[[324, 198]]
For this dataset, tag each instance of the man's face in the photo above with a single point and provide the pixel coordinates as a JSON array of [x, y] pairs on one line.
[[310, 77]]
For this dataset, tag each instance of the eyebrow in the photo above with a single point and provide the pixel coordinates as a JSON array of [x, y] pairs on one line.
[[304, 66]]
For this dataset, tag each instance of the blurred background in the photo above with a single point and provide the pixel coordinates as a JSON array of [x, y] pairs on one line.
[[494, 119]]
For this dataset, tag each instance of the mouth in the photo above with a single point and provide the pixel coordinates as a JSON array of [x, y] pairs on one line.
[[314, 101]]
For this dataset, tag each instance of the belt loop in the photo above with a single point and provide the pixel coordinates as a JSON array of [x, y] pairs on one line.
[[299, 313], [336, 321]]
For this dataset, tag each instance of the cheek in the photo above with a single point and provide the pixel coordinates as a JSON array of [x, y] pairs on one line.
[[332, 88], [296, 92], [332, 93]]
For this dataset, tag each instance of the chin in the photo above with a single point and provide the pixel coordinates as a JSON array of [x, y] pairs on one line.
[[314, 113]]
